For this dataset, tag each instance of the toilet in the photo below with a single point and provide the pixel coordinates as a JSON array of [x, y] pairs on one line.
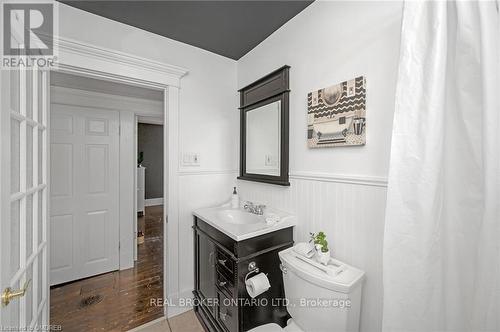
[[320, 298]]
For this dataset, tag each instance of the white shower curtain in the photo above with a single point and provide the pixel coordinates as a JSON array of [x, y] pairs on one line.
[[442, 233]]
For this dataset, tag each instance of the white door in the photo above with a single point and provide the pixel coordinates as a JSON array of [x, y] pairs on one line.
[[84, 192], [23, 187]]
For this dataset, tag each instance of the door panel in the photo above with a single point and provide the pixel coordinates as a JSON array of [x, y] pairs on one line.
[[23, 191], [96, 235], [15, 155], [61, 185], [84, 192], [97, 166], [59, 227]]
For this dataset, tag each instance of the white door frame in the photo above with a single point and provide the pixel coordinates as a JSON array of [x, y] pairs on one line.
[[97, 62], [136, 153]]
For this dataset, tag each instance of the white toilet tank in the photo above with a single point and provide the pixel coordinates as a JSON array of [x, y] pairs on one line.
[[321, 298]]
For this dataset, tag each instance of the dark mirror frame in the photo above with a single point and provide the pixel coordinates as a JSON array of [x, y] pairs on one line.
[[268, 89]]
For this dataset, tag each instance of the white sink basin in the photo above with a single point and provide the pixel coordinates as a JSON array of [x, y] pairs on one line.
[[239, 217], [241, 225]]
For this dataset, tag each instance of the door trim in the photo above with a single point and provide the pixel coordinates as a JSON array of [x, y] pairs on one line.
[[105, 64]]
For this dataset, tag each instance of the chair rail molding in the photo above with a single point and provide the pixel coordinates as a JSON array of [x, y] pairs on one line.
[[376, 181], [84, 59], [184, 171]]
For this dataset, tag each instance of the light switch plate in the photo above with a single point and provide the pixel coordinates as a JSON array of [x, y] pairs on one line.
[[196, 159], [191, 159]]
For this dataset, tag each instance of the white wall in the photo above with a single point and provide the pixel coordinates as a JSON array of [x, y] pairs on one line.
[[330, 42], [208, 97], [208, 114], [338, 190]]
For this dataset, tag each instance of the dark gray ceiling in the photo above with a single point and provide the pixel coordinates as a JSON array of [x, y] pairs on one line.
[[228, 28]]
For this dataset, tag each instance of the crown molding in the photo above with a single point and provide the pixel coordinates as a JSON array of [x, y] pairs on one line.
[[97, 56]]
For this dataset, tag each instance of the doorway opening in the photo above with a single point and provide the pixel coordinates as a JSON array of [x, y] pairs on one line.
[[149, 179], [103, 276]]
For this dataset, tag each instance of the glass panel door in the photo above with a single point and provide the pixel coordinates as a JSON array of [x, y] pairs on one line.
[[23, 180]]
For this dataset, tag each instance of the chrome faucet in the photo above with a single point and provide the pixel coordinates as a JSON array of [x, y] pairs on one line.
[[255, 209]]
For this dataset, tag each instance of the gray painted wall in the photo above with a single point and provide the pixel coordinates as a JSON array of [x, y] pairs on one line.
[[150, 141]]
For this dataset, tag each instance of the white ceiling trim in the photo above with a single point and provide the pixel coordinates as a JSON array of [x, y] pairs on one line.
[[84, 98], [150, 120], [98, 58]]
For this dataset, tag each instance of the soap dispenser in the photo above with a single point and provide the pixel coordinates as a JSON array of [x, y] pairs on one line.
[[235, 200]]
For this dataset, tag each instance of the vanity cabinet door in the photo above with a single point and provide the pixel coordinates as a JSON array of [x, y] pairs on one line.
[[206, 271], [227, 315]]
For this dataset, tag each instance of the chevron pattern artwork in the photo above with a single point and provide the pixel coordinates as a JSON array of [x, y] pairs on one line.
[[336, 115]]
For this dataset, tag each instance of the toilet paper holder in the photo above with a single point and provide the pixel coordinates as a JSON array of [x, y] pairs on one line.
[[252, 268]]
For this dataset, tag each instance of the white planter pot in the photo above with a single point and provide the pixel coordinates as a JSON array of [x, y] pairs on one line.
[[323, 257]]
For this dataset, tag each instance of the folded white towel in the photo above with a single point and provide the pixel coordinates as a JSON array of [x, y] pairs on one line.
[[304, 249]]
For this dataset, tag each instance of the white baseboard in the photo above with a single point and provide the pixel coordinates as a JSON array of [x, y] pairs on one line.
[[143, 326], [153, 201], [176, 311], [176, 308]]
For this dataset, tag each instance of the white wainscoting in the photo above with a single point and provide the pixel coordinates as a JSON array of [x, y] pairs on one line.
[[197, 189], [350, 209]]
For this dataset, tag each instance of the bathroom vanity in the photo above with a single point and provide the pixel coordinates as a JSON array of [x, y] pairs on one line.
[[229, 244]]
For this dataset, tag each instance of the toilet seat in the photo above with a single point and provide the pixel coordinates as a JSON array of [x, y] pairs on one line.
[[273, 327]]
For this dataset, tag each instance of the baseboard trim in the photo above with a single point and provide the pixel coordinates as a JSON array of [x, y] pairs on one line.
[[153, 322], [153, 201], [176, 311], [176, 308]]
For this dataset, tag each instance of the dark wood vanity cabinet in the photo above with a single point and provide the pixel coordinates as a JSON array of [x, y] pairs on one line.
[[206, 272], [222, 303]]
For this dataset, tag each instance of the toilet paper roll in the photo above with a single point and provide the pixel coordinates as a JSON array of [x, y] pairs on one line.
[[257, 285]]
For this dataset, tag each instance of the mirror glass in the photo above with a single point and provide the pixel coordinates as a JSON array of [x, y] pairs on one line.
[[263, 135]]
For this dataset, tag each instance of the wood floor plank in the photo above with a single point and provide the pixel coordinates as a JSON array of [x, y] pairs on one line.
[[122, 297]]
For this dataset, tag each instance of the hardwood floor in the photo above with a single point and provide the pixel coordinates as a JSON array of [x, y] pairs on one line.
[[119, 300]]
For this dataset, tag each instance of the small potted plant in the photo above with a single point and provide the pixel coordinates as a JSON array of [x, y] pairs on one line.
[[321, 245]]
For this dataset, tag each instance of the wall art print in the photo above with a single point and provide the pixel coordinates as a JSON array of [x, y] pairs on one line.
[[336, 115]]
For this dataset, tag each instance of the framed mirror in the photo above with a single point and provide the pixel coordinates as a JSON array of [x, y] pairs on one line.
[[264, 129]]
